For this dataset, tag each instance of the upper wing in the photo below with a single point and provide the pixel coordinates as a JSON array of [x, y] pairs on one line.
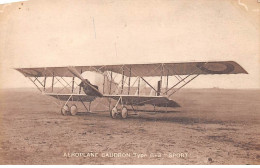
[[141, 100], [134, 70]]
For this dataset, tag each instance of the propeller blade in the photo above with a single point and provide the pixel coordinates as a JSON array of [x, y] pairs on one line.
[[77, 74]]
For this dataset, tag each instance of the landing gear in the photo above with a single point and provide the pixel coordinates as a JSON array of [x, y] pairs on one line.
[[115, 112], [73, 110], [123, 112], [65, 110]]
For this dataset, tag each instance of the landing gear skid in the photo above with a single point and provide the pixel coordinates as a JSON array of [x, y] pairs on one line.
[[73, 109]]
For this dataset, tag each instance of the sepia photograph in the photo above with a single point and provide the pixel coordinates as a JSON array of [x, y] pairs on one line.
[[130, 82]]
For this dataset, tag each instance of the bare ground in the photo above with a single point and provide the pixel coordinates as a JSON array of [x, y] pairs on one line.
[[213, 126]]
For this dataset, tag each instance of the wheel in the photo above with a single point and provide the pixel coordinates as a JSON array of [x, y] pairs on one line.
[[65, 110], [73, 110], [124, 112], [113, 113]]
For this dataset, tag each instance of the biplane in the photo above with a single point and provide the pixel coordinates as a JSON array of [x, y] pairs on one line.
[[124, 84]]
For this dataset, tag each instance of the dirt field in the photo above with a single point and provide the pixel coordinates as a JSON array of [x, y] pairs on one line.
[[213, 126]]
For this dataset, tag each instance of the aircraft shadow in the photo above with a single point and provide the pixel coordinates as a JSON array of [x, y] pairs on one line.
[[154, 118], [157, 111], [181, 120]]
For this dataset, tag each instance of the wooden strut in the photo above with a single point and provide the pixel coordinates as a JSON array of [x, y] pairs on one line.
[[167, 81], [110, 87], [138, 78], [122, 85], [109, 100], [148, 84], [36, 78], [129, 80], [162, 73], [83, 104], [52, 82], [183, 80], [65, 81], [138, 89], [68, 100], [176, 84], [72, 88], [133, 109], [35, 84], [120, 98], [89, 106], [64, 86], [104, 83], [44, 83], [184, 85], [80, 85]]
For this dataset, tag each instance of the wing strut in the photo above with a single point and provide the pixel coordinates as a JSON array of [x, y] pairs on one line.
[[183, 80], [183, 85]]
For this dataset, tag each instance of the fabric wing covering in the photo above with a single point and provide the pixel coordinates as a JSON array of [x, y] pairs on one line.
[[159, 101], [72, 97], [144, 70]]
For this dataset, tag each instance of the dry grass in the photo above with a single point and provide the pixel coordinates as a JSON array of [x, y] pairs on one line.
[[213, 126]]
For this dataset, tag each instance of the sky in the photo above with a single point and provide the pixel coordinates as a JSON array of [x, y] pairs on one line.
[[39, 33]]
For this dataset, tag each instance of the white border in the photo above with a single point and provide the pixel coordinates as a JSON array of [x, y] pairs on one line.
[[10, 1]]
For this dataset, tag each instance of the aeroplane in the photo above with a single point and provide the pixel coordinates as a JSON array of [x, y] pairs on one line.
[[126, 92]]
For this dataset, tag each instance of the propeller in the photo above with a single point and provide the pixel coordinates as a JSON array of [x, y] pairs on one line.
[[74, 71]]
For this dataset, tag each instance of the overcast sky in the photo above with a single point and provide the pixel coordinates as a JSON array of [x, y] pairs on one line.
[[81, 32]]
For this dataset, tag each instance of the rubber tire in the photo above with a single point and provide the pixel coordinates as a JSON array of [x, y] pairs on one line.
[[65, 110], [73, 110], [113, 112], [124, 113]]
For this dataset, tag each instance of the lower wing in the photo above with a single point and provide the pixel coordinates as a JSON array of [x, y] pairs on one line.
[[72, 97], [159, 101]]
